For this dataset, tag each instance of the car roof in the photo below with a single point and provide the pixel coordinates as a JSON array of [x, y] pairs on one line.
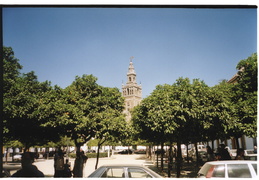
[[128, 165], [232, 162], [122, 165]]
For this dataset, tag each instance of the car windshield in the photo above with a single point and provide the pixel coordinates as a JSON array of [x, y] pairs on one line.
[[238, 171], [255, 167], [114, 173], [219, 171], [138, 173]]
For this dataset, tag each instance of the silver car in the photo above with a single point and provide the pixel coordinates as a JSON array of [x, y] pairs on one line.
[[250, 155], [123, 171], [229, 169]]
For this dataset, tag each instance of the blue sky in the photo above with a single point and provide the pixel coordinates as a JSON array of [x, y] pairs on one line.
[[167, 43]]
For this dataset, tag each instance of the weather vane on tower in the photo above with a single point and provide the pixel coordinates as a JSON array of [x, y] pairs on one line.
[[131, 58]]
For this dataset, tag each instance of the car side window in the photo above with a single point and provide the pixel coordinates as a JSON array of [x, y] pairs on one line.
[[255, 167], [138, 173], [219, 171], [114, 173], [238, 171]]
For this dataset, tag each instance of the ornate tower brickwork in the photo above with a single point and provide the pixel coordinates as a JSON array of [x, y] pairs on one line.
[[132, 92]]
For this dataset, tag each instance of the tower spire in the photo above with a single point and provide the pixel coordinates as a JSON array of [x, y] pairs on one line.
[[131, 91], [132, 57]]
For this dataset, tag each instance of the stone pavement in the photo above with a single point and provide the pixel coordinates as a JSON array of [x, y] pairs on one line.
[[47, 166]]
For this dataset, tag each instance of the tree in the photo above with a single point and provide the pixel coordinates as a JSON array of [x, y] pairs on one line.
[[11, 71], [244, 98], [153, 118], [83, 109], [183, 112], [112, 122], [21, 109], [223, 94], [74, 110], [11, 68], [21, 102]]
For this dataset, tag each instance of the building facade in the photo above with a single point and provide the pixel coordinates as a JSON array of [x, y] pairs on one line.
[[131, 91]]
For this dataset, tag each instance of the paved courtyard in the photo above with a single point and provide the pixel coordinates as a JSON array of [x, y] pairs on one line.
[[47, 166]]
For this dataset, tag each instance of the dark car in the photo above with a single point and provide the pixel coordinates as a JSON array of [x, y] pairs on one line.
[[160, 151], [123, 171], [140, 151], [126, 151]]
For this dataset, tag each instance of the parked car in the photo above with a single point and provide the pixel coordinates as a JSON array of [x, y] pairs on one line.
[[250, 155], [124, 171], [229, 169], [140, 151], [17, 157], [159, 151], [126, 151]]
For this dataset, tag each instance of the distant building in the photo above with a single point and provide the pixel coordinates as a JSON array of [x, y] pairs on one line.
[[234, 79], [131, 91]]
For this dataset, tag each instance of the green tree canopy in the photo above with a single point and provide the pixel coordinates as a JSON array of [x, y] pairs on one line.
[[245, 96], [22, 93], [21, 109]]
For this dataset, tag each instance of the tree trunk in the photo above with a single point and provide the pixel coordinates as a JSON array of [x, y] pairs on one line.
[[237, 143], [98, 154], [149, 153], [178, 159], [13, 154], [6, 155], [79, 162], [27, 148], [187, 154], [47, 153], [170, 160], [197, 154], [156, 158], [162, 156]]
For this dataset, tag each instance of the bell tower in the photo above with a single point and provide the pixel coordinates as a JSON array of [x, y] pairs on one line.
[[132, 92]]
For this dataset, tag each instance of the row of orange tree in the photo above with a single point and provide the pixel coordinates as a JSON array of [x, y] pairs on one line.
[[191, 111], [36, 113], [187, 111]]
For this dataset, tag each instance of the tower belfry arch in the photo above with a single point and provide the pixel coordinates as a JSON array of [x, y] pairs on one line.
[[131, 91]]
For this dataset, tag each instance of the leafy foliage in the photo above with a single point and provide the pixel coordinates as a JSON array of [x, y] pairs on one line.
[[245, 97], [21, 102], [36, 113]]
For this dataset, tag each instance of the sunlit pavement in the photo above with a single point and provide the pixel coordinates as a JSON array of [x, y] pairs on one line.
[[47, 166]]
